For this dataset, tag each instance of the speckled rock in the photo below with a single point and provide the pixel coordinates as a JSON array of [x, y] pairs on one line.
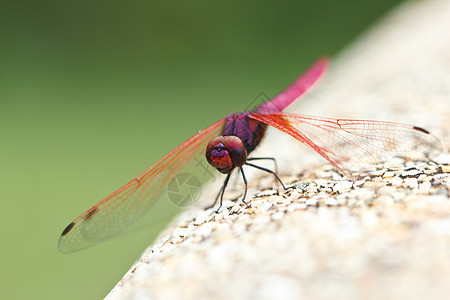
[[384, 236]]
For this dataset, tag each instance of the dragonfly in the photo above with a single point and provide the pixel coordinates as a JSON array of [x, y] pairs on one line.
[[350, 145]]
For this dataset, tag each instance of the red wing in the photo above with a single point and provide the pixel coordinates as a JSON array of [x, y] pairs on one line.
[[357, 146], [129, 203], [295, 90]]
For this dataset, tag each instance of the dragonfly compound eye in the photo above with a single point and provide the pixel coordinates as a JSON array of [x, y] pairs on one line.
[[225, 153]]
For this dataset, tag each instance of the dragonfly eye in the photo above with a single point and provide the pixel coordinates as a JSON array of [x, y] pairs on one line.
[[225, 153]]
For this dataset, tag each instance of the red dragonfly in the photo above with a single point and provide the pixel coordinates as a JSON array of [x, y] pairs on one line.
[[349, 145]]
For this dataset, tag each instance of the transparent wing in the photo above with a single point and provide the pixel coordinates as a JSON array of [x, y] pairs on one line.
[[172, 182], [357, 146]]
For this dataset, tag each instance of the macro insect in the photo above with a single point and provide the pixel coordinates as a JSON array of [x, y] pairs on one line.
[[349, 145]]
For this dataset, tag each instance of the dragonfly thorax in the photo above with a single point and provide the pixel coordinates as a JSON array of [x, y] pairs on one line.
[[226, 153]]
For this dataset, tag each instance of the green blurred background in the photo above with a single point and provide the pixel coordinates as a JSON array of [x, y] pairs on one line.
[[93, 92]]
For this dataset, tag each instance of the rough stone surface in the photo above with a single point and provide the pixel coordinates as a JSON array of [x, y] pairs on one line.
[[381, 237]]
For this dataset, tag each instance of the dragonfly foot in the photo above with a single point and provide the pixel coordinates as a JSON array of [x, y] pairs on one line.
[[218, 209]]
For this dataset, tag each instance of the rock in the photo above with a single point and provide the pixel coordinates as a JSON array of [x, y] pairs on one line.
[[385, 236]]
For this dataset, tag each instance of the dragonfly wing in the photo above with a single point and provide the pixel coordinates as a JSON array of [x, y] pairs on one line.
[[183, 167], [295, 90], [357, 146]]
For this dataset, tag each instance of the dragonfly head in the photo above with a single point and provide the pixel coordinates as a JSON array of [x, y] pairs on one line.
[[226, 153]]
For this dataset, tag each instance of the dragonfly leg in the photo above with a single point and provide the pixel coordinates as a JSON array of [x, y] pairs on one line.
[[266, 158], [266, 170], [221, 192], [245, 182], [217, 198]]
